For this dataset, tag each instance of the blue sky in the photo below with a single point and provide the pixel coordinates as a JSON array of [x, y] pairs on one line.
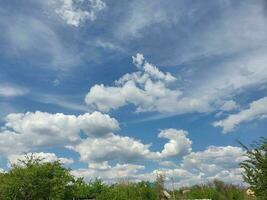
[[134, 88]]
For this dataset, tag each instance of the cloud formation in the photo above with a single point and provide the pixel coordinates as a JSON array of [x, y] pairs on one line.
[[195, 168], [40, 129], [8, 90], [113, 147], [178, 143], [91, 135], [125, 149], [72, 13], [109, 173], [149, 89], [256, 110]]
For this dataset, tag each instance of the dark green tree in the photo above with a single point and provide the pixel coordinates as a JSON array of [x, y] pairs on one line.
[[32, 179], [255, 167]]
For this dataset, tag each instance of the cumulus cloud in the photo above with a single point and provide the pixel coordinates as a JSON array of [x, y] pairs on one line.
[[203, 166], [44, 157], [114, 147], [72, 13], [9, 140], [257, 109], [178, 143], [195, 168], [29, 130], [91, 135], [126, 149], [149, 89], [109, 173]]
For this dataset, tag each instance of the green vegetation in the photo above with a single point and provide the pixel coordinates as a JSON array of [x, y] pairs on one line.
[[255, 168], [216, 190], [32, 179]]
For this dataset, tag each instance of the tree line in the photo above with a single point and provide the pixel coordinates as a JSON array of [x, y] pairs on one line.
[[32, 179]]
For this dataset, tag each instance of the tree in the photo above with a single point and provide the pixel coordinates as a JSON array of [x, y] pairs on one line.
[[255, 167], [32, 179], [160, 186]]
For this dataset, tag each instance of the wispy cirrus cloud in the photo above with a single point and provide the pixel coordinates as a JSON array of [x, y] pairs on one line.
[[10, 90]]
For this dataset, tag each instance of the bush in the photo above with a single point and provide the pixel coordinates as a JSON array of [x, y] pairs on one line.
[[216, 190]]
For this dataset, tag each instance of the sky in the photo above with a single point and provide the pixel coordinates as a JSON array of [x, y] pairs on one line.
[[129, 89]]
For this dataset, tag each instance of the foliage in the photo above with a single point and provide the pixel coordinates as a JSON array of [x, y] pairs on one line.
[[131, 191], [32, 179], [255, 168], [216, 190], [160, 185]]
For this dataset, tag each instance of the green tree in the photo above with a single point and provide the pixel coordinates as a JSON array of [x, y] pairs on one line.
[[255, 167], [160, 186], [32, 179]]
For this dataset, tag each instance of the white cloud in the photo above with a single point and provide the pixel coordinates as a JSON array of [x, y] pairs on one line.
[[31, 130], [149, 89], [7, 90], [140, 16], [195, 168], [203, 166], [178, 143], [113, 147], [109, 173], [126, 149], [45, 157], [63, 101], [257, 109], [167, 164], [71, 10], [213, 159], [24, 35], [229, 105], [9, 140]]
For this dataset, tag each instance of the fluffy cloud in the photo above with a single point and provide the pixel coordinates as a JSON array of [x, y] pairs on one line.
[[113, 147], [213, 159], [71, 12], [9, 140], [29, 130], [45, 157], [203, 166], [257, 109], [149, 89], [195, 168], [126, 149], [109, 173], [178, 143]]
